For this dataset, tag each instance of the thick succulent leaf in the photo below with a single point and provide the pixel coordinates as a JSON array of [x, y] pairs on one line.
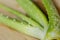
[[21, 16], [33, 12], [21, 26]]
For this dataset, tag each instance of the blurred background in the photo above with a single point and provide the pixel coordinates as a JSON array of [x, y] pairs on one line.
[[9, 34]]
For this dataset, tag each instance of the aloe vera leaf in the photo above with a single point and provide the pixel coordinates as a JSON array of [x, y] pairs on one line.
[[21, 27], [20, 15], [33, 12], [54, 19]]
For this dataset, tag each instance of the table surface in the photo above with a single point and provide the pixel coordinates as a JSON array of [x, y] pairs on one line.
[[9, 34]]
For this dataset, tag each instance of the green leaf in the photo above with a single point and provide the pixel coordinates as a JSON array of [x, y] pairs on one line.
[[54, 19], [21, 16], [33, 12], [21, 27]]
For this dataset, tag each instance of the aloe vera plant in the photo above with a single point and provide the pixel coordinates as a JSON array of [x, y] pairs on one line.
[[47, 30]]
